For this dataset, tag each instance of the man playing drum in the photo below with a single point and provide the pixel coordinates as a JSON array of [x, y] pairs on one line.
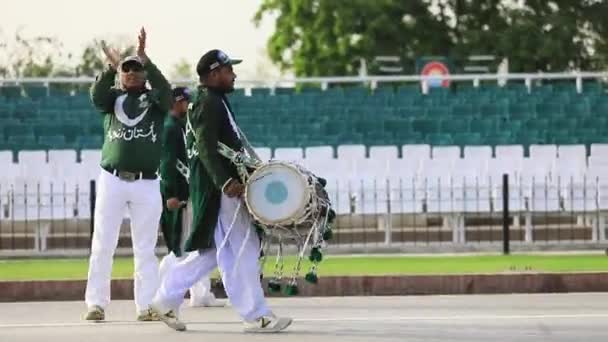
[[225, 236]]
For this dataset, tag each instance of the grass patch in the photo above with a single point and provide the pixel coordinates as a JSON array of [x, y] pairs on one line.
[[56, 269]]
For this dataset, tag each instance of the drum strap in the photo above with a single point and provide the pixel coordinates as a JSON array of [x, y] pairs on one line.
[[243, 244]]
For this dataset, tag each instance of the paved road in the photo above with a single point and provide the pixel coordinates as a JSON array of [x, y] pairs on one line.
[[559, 317]]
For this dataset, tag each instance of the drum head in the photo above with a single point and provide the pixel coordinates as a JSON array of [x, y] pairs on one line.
[[277, 194]]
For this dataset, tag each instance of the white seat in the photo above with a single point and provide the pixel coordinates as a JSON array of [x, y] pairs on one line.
[[543, 153], [478, 153], [415, 153], [293, 154], [581, 195], [568, 170], [576, 153], [435, 174], [319, 152], [597, 160], [597, 178], [497, 167], [352, 152], [6, 157], [540, 190], [406, 190], [471, 191], [599, 151], [62, 156], [9, 171], [446, 152], [30, 199], [61, 161], [32, 164], [509, 151], [389, 153], [339, 176], [265, 153], [90, 160], [370, 179]]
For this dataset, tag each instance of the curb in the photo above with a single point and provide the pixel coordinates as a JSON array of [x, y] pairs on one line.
[[64, 290]]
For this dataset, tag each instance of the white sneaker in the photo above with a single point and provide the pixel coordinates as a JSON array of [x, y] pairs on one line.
[[170, 319], [268, 324]]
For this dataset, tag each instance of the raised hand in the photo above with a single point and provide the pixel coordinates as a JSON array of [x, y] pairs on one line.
[[141, 46], [112, 54]]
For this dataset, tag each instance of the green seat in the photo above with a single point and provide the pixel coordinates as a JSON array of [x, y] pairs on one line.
[[398, 127], [95, 127], [89, 142], [463, 110], [451, 125], [439, 112], [564, 122], [18, 129], [467, 139], [426, 126], [6, 110], [11, 92], [549, 109], [48, 129], [52, 142], [493, 110], [25, 139], [484, 125], [498, 138], [439, 139], [260, 92], [537, 124], [36, 92]]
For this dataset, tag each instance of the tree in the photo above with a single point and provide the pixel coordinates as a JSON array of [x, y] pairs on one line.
[[93, 60], [329, 37], [182, 70], [30, 56]]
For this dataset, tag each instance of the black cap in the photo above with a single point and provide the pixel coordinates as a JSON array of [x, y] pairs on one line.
[[180, 94], [212, 60]]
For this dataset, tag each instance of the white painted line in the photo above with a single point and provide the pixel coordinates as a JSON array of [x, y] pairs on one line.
[[341, 319]]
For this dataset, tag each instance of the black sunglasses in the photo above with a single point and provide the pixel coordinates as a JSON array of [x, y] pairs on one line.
[[135, 67]]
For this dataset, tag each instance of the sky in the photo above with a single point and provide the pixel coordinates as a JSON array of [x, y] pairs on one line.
[[176, 29]]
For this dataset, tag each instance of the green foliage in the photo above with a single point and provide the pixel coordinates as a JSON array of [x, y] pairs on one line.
[[330, 37], [93, 61]]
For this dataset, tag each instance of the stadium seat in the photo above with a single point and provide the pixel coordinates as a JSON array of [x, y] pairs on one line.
[[446, 152], [294, 154], [483, 153], [545, 153], [319, 152], [509, 151], [415, 153], [264, 153], [389, 153], [352, 152]]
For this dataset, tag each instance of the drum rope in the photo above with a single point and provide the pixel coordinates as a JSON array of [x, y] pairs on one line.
[[234, 216], [242, 249]]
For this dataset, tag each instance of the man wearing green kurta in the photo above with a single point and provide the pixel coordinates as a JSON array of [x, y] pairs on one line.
[[176, 219], [225, 235], [133, 116]]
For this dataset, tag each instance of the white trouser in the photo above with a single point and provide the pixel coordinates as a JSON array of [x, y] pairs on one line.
[[243, 287], [200, 292], [143, 200]]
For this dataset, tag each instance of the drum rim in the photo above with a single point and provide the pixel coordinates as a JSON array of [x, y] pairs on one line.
[[307, 192]]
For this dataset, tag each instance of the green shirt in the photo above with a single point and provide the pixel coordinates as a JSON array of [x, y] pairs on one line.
[[174, 170], [133, 121]]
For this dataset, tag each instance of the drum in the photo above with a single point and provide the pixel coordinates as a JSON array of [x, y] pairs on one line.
[[282, 194]]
